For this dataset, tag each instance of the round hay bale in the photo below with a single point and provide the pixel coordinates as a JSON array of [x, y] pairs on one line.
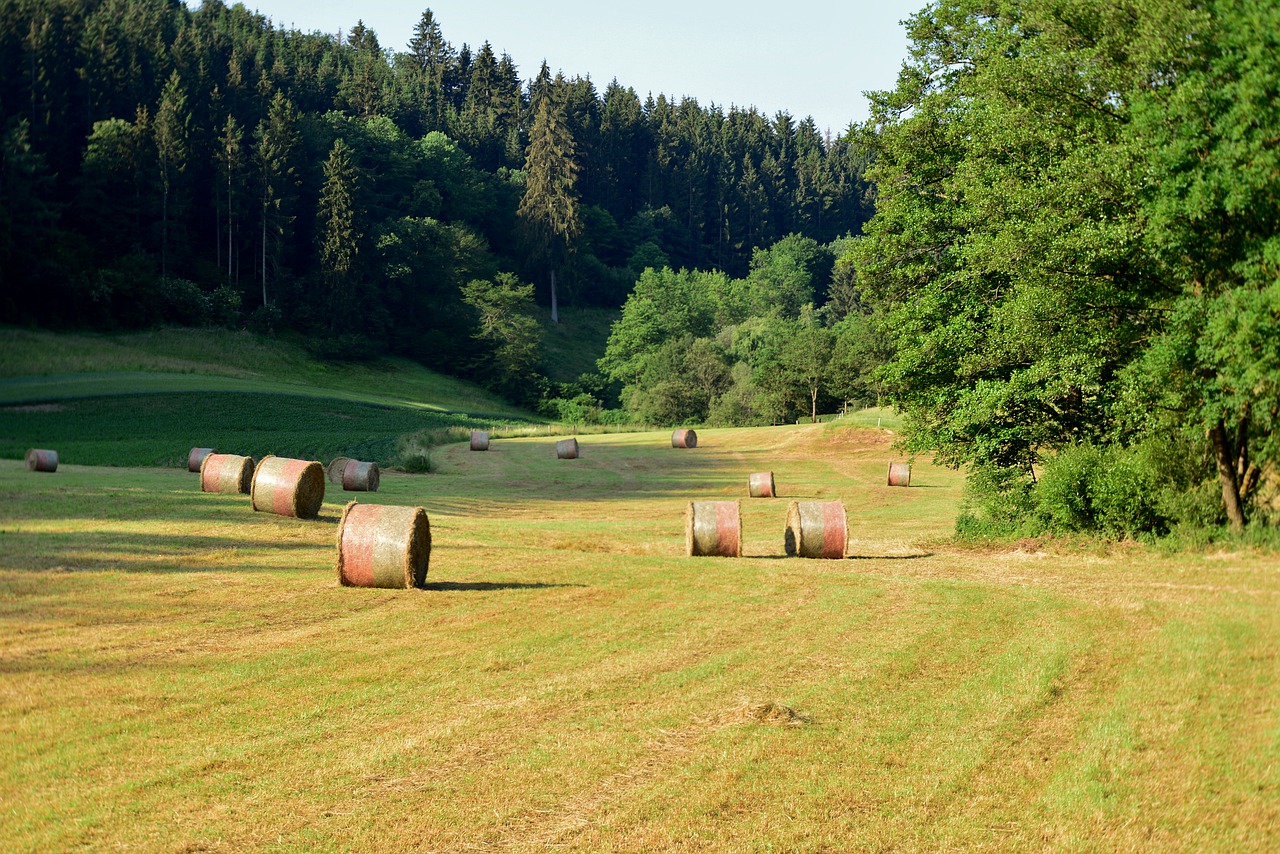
[[196, 457], [39, 459], [567, 449], [288, 487], [899, 474], [817, 529], [713, 528], [226, 473], [479, 440], [684, 438], [760, 485], [383, 546], [334, 470], [361, 477]]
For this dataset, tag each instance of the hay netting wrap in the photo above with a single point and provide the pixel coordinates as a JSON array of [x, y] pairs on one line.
[[288, 487], [226, 473], [713, 528], [358, 476], [479, 440], [817, 529], [196, 457], [899, 474], [684, 438], [334, 470], [383, 546], [567, 449], [760, 485], [42, 459]]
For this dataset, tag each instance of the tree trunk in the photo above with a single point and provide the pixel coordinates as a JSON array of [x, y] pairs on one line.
[[813, 412], [555, 308], [1227, 475], [264, 252]]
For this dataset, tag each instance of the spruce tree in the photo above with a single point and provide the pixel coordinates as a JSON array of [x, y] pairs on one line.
[[338, 220]]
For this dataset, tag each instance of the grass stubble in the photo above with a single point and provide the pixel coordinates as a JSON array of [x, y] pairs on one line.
[[181, 673]]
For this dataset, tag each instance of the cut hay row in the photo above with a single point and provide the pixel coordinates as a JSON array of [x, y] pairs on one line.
[[760, 485], [382, 546], [196, 458], [288, 487], [227, 473], [41, 459], [684, 438], [713, 528], [817, 529]]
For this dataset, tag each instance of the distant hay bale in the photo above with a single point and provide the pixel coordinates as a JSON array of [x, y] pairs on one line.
[[479, 440], [39, 459], [226, 473], [335, 468], [684, 438], [358, 476], [567, 449], [196, 457], [899, 474], [760, 485], [383, 546], [288, 487], [713, 528], [818, 529]]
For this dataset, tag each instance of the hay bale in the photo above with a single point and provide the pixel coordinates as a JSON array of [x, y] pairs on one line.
[[383, 546], [899, 474], [713, 528], [39, 459], [361, 477], [226, 473], [288, 487], [760, 485], [196, 457], [335, 468], [567, 449], [684, 438], [817, 529], [479, 440]]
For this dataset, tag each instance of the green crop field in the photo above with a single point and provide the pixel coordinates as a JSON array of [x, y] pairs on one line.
[[181, 673]]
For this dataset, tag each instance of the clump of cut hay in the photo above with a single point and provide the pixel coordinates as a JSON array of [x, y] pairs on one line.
[[769, 713], [383, 546], [40, 459], [334, 470], [479, 440], [567, 449], [288, 487], [358, 476], [196, 457], [760, 485], [684, 438], [713, 529], [226, 473], [899, 474], [817, 529]]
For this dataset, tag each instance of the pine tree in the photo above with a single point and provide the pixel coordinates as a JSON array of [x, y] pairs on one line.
[[549, 215], [276, 139], [339, 227], [170, 130]]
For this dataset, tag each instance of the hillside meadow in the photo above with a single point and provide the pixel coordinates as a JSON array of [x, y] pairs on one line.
[[181, 673]]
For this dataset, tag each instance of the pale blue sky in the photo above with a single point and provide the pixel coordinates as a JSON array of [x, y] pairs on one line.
[[809, 57]]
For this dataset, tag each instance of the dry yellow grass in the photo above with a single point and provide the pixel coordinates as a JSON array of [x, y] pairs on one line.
[[183, 674]]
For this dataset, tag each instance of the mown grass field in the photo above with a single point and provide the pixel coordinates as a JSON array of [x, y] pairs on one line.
[[180, 673]]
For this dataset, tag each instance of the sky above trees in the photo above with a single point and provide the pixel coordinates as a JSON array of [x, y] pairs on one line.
[[808, 57]]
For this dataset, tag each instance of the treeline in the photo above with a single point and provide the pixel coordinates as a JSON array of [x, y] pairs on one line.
[[1076, 257], [162, 164]]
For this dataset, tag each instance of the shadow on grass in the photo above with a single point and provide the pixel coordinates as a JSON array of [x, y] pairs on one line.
[[848, 557], [445, 586]]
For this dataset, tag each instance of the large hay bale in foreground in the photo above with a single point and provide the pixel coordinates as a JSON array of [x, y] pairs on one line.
[[818, 529], [382, 546], [899, 474], [358, 476], [684, 438], [713, 528], [479, 440], [40, 459], [288, 487], [335, 468], [226, 473], [196, 457], [567, 449], [760, 485]]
